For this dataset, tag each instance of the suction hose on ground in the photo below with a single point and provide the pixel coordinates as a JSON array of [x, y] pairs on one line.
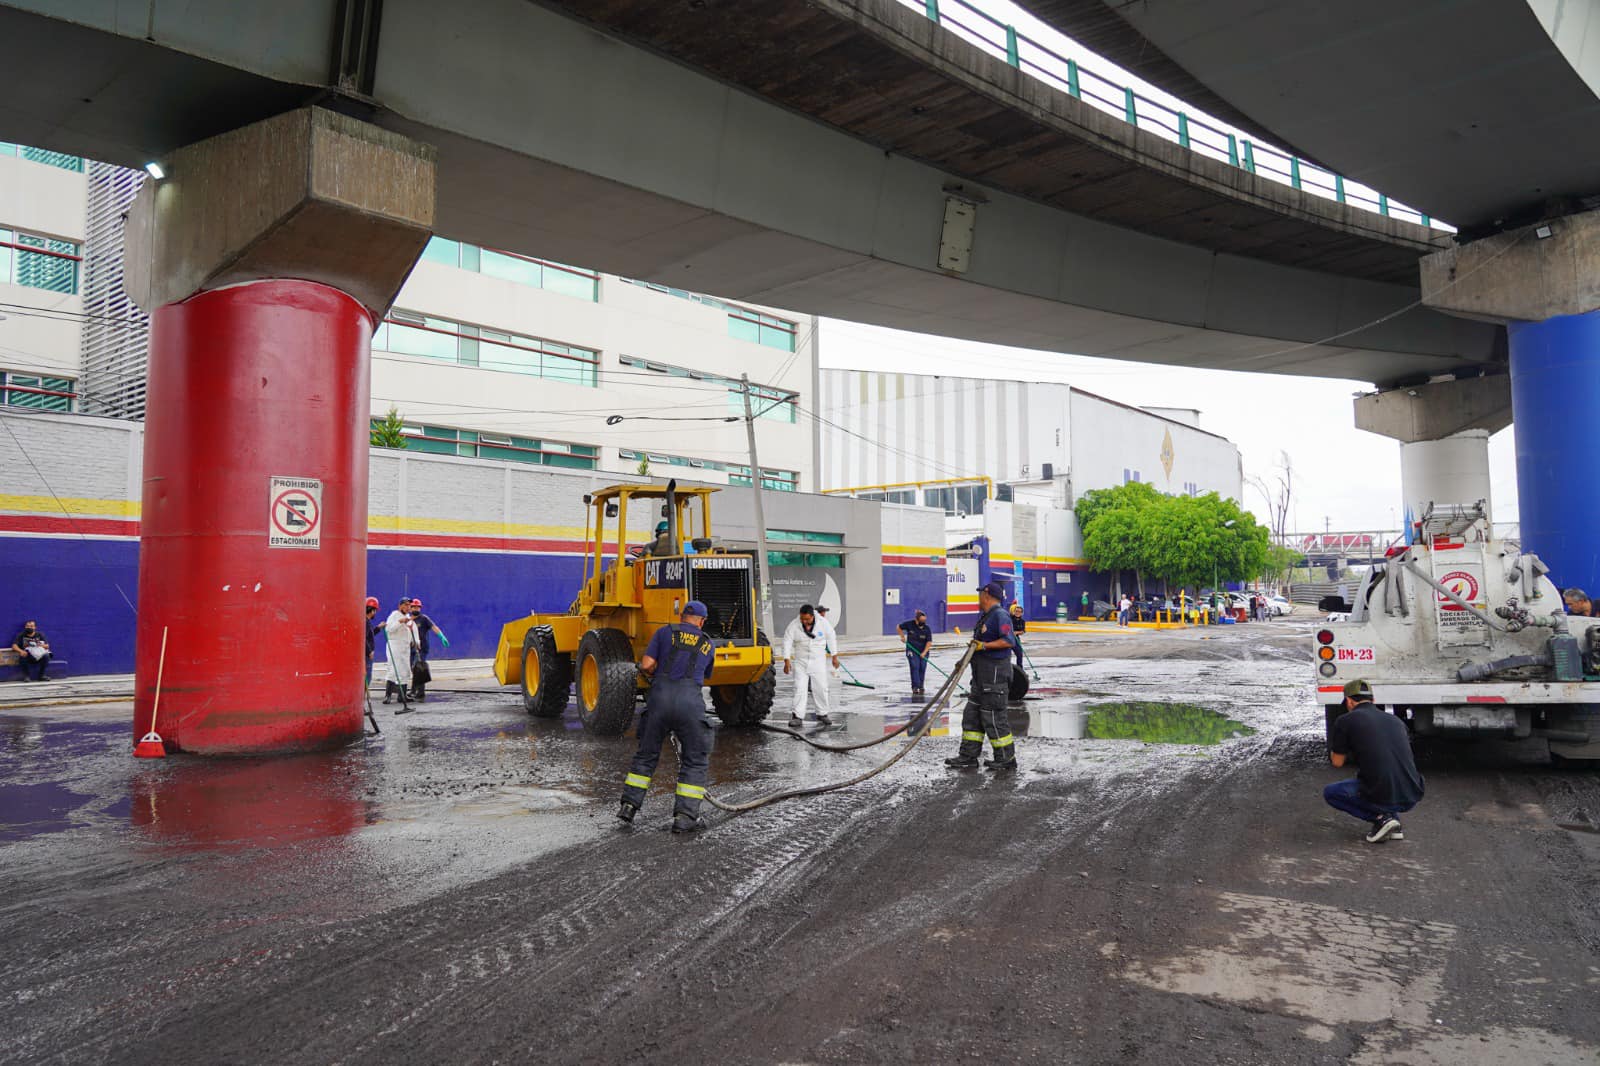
[[926, 716]]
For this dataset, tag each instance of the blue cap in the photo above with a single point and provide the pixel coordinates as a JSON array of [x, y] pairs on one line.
[[696, 608], [993, 588], [661, 527]]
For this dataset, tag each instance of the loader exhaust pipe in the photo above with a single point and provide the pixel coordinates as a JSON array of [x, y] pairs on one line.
[[672, 517]]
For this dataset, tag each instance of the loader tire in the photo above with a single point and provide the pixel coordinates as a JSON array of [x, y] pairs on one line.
[[608, 688], [1019, 684], [747, 705], [546, 674]]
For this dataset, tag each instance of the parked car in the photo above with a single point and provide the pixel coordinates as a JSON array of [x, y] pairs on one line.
[[1278, 607]]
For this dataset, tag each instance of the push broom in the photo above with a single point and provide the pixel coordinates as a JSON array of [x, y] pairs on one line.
[[150, 745], [854, 682]]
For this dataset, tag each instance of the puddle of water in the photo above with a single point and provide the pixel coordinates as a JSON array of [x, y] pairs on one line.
[[1147, 721], [34, 810]]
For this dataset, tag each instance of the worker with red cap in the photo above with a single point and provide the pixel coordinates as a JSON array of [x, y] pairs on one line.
[[421, 672], [371, 631]]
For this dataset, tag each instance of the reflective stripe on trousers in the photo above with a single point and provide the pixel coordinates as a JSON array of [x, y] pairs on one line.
[[985, 712], [674, 708]]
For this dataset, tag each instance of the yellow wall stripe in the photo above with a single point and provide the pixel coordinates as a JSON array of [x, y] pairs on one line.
[[73, 505]]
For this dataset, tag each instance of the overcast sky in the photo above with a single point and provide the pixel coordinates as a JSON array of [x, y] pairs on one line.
[[1349, 478]]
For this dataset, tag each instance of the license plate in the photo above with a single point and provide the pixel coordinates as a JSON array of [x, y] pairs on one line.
[[1355, 655], [1481, 719]]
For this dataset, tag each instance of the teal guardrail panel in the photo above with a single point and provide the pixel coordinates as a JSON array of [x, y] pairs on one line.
[[1130, 109]]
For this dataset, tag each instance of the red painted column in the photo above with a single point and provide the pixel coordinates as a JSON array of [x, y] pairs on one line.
[[257, 404]]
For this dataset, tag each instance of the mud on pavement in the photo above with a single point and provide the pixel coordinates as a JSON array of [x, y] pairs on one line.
[[1160, 883]]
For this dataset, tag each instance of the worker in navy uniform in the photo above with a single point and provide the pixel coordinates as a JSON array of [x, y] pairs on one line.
[[985, 713], [678, 660], [917, 637]]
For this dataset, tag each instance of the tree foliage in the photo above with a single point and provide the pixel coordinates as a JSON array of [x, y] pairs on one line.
[[390, 431], [1186, 540]]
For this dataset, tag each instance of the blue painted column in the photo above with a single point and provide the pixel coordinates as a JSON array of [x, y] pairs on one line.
[[1555, 393]]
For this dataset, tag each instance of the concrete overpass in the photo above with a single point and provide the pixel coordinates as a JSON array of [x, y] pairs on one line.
[[842, 157], [798, 155]]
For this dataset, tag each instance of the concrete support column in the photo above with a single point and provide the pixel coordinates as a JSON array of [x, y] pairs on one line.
[[1452, 470], [1443, 429], [1555, 385], [265, 259], [1543, 282]]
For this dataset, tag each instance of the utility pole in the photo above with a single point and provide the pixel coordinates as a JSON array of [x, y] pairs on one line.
[[764, 596]]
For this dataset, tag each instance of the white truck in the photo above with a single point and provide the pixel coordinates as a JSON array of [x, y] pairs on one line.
[[1465, 636]]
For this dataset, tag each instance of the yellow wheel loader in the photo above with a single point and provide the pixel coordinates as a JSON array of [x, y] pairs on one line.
[[626, 595]]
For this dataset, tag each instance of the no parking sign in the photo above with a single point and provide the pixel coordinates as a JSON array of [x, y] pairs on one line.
[[294, 513]]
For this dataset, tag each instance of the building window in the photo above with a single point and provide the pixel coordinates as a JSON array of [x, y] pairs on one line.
[[766, 401], [509, 266], [442, 440], [40, 155], [944, 499], [774, 332], [806, 535], [37, 392], [775, 404], [744, 323], [38, 262], [771, 480], [783, 558], [409, 333]]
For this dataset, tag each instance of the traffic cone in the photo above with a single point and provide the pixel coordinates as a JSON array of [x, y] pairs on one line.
[[151, 746]]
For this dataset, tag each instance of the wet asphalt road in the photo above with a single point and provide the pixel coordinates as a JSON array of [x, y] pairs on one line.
[[458, 891]]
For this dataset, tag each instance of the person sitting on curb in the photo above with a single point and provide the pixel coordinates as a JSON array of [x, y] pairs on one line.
[[1378, 744], [33, 652]]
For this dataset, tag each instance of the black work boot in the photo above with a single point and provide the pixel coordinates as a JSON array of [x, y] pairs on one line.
[[684, 822], [1002, 763], [962, 761], [388, 692], [627, 811]]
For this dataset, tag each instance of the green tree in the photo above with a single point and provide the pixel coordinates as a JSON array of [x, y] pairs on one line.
[[390, 431], [1188, 541]]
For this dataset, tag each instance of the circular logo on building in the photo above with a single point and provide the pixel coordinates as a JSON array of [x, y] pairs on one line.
[[1462, 584]]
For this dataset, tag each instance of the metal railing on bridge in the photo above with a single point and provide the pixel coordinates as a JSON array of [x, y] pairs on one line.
[[1194, 132]]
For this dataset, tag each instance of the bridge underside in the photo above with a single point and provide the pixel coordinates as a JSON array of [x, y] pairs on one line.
[[558, 140]]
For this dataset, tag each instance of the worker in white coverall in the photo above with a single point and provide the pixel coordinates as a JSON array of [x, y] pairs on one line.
[[807, 646], [400, 631]]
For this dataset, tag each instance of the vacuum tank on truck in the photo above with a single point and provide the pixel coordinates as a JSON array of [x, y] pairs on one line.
[[1464, 635], [633, 591]]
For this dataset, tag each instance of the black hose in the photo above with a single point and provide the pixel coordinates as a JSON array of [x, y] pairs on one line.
[[907, 724], [1484, 671], [934, 707]]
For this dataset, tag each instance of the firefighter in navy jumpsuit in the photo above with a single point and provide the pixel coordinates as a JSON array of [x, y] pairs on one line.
[[679, 660], [985, 713]]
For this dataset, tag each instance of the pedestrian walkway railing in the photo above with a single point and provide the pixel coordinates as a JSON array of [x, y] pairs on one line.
[[1194, 132]]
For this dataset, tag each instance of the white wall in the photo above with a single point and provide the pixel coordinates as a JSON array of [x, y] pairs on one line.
[[907, 427], [628, 320], [1109, 438], [910, 427], [50, 202]]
